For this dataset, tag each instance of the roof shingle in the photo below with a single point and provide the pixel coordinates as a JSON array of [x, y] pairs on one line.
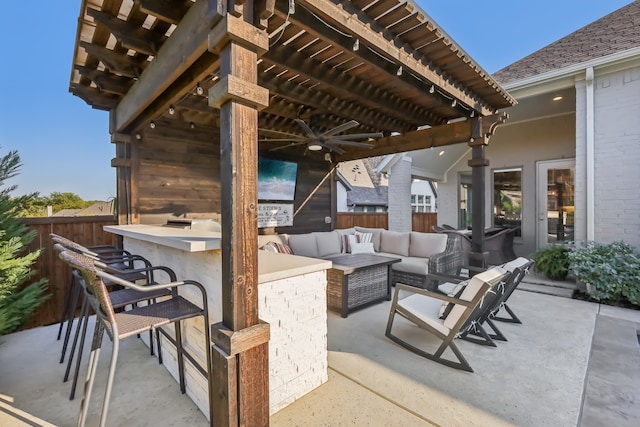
[[613, 33]]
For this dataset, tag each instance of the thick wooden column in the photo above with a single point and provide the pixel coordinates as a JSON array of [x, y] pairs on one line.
[[478, 163], [240, 341]]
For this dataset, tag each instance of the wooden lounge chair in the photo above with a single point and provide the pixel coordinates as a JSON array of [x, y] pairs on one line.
[[474, 329], [522, 266], [422, 308]]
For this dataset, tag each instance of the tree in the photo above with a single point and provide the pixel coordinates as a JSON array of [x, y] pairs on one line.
[[37, 205], [18, 299]]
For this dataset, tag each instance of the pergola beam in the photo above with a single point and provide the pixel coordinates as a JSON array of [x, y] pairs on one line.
[[437, 136], [365, 29], [183, 49]]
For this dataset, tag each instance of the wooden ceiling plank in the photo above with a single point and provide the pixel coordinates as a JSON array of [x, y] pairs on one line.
[[185, 46], [171, 11], [438, 136], [365, 29], [317, 99], [129, 34], [107, 82], [357, 89], [117, 63]]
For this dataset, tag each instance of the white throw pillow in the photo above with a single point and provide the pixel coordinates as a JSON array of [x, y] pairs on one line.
[[362, 248]]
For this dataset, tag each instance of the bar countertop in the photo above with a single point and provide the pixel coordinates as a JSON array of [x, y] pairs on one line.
[[271, 266]]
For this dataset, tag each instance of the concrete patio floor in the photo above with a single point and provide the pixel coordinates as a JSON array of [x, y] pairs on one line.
[[570, 363]]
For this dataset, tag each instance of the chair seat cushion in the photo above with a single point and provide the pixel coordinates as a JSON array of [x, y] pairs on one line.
[[426, 309]]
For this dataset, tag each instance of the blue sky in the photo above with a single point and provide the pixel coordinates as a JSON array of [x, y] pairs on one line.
[[64, 144]]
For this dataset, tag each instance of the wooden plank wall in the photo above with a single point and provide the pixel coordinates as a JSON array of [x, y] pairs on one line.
[[177, 174], [311, 217], [420, 221], [85, 230]]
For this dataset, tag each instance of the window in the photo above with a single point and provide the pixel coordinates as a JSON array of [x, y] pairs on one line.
[[507, 198], [464, 200], [420, 203]]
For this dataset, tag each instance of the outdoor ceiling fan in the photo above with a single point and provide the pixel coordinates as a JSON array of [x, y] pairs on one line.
[[330, 139]]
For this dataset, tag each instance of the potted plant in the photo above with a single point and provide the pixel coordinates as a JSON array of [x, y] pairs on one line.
[[553, 261]]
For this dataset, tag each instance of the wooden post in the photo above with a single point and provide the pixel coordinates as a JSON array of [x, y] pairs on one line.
[[240, 341], [478, 163]]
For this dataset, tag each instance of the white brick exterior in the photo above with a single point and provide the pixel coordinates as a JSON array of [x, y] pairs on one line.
[[295, 308], [400, 195], [617, 157]]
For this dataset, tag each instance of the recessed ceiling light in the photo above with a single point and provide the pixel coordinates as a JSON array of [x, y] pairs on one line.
[[441, 153], [557, 98]]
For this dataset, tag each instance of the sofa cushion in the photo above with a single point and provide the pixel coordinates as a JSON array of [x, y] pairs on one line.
[[395, 242], [426, 244], [348, 240], [364, 237], [375, 236], [362, 248], [304, 245], [266, 238], [328, 243], [412, 265]]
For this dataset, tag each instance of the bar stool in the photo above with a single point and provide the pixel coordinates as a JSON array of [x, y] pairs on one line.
[[117, 258], [119, 299], [129, 323]]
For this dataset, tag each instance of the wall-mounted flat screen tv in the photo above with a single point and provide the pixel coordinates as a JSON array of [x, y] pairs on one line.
[[276, 179]]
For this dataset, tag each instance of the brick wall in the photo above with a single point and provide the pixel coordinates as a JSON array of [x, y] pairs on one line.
[[617, 157], [400, 196]]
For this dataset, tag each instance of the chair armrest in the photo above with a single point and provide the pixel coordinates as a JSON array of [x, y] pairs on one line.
[[432, 294], [148, 288]]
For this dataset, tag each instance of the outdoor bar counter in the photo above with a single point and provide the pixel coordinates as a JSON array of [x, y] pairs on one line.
[[292, 299]]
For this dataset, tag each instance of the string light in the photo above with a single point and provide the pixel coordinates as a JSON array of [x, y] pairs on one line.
[[399, 72], [152, 125], [192, 125], [356, 45], [454, 103], [432, 89], [172, 110], [199, 89]]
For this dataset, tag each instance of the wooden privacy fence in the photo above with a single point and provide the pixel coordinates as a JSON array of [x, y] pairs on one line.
[[419, 221], [85, 230]]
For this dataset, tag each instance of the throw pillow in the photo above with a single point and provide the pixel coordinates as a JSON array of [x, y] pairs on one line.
[[364, 237], [362, 248], [347, 241], [277, 247], [447, 306]]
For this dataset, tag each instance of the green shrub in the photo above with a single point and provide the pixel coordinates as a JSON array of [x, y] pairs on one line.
[[612, 269], [553, 261]]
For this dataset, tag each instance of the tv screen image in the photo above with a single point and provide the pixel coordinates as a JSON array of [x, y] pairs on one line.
[[276, 179]]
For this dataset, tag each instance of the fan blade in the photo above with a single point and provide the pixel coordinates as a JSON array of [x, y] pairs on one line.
[[373, 135], [287, 134], [339, 129], [306, 128], [351, 143], [293, 144], [331, 147], [282, 140]]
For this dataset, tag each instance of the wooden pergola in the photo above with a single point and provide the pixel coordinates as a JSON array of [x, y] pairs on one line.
[[245, 69]]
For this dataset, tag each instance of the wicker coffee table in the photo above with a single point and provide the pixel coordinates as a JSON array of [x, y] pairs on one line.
[[358, 280]]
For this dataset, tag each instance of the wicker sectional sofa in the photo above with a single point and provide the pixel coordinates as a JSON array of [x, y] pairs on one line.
[[420, 253]]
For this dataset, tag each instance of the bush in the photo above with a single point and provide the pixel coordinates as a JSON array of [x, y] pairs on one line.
[[18, 297], [553, 261], [612, 269]]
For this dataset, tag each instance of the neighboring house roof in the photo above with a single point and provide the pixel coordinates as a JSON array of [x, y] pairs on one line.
[[99, 208], [363, 196], [67, 212], [613, 33]]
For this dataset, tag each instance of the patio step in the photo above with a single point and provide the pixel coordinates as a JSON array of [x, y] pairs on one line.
[[542, 285]]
